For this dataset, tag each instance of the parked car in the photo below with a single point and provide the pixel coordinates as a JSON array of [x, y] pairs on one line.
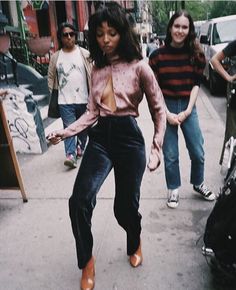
[[214, 36]]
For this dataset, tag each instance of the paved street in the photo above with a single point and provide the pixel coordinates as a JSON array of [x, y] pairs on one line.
[[217, 101], [37, 249]]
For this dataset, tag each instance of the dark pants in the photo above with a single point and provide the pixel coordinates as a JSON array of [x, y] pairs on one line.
[[115, 142]]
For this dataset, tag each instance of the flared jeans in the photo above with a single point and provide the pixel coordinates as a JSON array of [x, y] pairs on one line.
[[114, 143]]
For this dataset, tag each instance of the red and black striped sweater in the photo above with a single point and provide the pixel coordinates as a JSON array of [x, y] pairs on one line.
[[175, 72]]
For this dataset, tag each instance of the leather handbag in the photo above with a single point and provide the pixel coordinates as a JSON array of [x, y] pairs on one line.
[[53, 109]]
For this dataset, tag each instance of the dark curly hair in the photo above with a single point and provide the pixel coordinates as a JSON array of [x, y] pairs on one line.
[[128, 48], [60, 30], [191, 44]]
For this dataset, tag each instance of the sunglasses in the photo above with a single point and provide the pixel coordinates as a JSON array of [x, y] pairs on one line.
[[67, 34]]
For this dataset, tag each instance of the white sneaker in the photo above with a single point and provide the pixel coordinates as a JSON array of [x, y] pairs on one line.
[[173, 198]]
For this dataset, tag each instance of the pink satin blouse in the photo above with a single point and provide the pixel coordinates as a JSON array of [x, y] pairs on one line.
[[130, 82]]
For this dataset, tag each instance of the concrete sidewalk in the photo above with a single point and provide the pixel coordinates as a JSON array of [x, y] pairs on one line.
[[37, 250]]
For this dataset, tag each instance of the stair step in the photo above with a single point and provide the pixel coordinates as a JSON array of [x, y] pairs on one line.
[[25, 86], [10, 76], [8, 79], [39, 98]]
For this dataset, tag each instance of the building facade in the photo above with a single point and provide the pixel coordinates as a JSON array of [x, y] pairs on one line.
[[32, 25]]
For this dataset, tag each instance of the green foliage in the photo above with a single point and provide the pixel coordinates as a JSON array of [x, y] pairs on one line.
[[160, 13], [199, 10], [223, 8]]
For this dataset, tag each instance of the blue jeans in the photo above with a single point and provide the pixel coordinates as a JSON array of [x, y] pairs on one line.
[[69, 114], [194, 143], [115, 142]]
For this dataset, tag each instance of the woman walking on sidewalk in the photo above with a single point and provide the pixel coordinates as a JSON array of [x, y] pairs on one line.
[[178, 66], [119, 80]]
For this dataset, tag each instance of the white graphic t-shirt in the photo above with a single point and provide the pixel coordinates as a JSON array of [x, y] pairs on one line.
[[71, 72]]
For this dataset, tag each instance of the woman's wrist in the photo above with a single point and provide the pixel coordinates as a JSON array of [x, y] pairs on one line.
[[187, 112], [168, 114], [64, 134]]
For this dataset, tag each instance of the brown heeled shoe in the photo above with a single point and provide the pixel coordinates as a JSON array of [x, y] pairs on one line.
[[88, 276], [137, 258]]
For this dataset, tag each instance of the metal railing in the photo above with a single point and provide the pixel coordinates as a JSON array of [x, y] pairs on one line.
[[39, 61], [8, 66]]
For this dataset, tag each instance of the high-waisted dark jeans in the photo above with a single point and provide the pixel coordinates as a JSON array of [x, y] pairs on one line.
[[115, 142]]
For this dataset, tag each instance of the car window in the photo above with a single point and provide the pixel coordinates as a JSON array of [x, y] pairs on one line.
[[224, 32]]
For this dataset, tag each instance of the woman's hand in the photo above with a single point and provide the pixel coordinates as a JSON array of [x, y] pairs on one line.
[[182, 116], [56, 136], [154, 161], [173, 119]]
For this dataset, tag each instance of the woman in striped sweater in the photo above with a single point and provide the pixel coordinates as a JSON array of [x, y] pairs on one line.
[[178, 66]]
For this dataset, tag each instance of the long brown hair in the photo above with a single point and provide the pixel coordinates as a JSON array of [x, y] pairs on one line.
[[191, 43]]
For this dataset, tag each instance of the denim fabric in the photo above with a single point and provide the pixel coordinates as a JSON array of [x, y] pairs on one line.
[[115, 142], [69, 114], [194, 143]]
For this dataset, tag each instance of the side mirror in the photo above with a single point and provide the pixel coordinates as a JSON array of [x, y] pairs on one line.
[[204, 39]]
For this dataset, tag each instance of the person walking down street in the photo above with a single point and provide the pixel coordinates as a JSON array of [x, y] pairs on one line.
[[69, 72], [216, 61], [178, 66], [119, 80], [151, 46]]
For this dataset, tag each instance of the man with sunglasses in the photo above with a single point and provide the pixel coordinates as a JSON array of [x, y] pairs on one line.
[[69, 72]]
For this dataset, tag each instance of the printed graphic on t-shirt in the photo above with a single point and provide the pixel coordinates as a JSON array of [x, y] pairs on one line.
[[72, 78], [66, 77]]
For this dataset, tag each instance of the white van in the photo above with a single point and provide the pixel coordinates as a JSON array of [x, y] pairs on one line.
[[214, 36], [197, 26]]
